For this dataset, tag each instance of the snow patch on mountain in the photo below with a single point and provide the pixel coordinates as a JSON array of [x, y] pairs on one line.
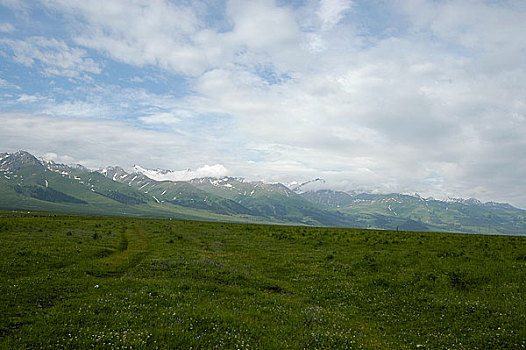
[[309, 186], [470, 201], [54, 159], [214, 171]]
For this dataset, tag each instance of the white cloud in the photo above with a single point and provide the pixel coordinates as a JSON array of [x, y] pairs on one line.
[[29, 98], [216, 170], [6, 28], [56, 57], [139, 33], [76, 109], [414, 110], [175, 37], [332, 11], [60, 159], [112, 102], [93, 143], [473, 24], [262, 26], [161, 118], [18, 5], [4, 84], [99, 143], [434, 106]]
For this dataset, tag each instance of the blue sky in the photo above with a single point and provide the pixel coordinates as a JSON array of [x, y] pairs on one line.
[[387, 96]]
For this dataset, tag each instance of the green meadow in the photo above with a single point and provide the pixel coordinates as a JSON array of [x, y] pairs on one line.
[[99, 282]]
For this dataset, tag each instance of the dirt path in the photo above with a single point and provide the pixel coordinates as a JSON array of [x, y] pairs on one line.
[[130, 251]]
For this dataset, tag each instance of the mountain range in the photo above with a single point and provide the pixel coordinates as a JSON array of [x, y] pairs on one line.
[[31, 184]]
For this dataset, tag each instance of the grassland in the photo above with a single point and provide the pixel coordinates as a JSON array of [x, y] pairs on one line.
[[84, 282]]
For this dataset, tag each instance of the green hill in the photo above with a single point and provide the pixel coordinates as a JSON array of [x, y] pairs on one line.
[[30, 184]]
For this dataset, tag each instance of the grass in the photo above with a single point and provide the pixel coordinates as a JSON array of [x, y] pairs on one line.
[[79, 282]]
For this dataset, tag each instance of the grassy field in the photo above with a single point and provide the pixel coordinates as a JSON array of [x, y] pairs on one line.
[[84, 282]]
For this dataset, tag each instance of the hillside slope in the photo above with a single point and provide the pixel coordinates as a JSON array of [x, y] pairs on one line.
[[31, 184]]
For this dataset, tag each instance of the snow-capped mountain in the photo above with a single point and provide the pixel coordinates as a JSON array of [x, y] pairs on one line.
[[15, 161], [233, 187], [229, 196], [309, 186], [216, 170], [470, 201], [29, 183]]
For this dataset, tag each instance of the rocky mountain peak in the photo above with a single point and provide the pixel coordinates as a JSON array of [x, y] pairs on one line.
[[17, 160]]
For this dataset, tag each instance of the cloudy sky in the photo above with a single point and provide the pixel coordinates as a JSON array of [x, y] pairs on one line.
[[388, 96]]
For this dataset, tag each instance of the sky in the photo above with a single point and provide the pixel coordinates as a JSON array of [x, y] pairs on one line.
[[425, 96]]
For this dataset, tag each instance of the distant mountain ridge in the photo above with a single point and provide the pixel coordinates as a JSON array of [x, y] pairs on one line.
[[416, 212], [28, 183]]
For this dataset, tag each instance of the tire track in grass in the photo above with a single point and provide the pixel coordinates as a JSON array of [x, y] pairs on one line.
[[114, 262], [132, 247]]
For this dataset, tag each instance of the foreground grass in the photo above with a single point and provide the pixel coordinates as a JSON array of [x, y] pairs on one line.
[[83, 282]]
